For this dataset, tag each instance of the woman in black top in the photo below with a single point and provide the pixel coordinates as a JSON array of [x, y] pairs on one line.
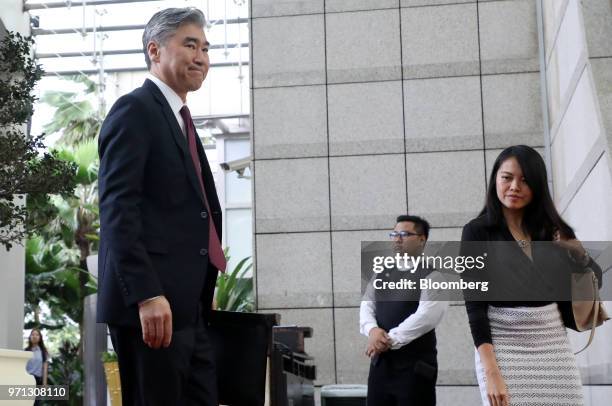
[[522, 351]]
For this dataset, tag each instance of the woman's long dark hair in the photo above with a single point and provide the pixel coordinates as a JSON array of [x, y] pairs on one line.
[[541, 219], [41, 344]]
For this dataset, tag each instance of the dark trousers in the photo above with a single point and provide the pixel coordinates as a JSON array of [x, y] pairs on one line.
[[39, 382], [405, 382], [182, 374]]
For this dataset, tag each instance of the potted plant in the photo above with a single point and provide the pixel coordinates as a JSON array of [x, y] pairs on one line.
[[234, 291], [113, 381]]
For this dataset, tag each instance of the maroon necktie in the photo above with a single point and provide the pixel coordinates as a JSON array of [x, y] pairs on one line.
[[215, 252]]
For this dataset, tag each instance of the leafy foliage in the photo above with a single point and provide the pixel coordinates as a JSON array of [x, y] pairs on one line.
[[109, 356], [57, 279], [66, 368], [77, 220], [20, 72], [76, 118], [234, 290], [24, 172], [53, 276], [56, 271], [25, 169]]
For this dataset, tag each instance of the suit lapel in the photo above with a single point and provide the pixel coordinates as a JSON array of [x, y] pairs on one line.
[[177, 135]]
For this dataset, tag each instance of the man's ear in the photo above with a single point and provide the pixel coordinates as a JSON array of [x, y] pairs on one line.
[[153, 49]]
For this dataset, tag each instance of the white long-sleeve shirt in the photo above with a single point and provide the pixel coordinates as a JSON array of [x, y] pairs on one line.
[[430, 312]]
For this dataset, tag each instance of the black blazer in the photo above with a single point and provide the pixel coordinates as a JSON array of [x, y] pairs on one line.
[[153, 218], [544, 280]]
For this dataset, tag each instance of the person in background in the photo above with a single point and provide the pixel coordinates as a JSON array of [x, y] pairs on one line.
[[401, 333], [38, 365]]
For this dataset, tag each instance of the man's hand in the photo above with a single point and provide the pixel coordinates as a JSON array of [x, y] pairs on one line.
[[378, 342], [156, 322]]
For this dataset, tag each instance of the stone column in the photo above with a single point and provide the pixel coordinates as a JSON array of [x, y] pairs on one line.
[[578, 54], [12, 271], [12, 264]]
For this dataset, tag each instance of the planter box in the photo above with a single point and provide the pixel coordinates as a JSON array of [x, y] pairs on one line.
[[13, 372], [113, 382]]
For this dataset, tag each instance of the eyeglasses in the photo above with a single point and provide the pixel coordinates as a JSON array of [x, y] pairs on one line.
[[401, 234]]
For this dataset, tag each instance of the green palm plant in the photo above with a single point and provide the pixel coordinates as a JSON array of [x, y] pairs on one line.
[[56, 268], [75, 116], [78, 218], [234, 290], [57, 279], [53, 276]]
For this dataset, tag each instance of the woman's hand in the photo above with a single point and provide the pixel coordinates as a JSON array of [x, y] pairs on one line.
[[45, 373], [497, 392], [573, 246]]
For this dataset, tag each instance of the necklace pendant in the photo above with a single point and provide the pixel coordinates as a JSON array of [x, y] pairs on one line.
[[522, 243]]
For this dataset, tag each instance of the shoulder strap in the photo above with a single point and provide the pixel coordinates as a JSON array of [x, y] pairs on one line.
[[596, 306]]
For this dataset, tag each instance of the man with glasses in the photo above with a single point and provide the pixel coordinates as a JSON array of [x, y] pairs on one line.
[[401, 335]]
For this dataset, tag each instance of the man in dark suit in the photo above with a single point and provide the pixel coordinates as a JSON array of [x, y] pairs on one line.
[[400, 329], [160, 248]]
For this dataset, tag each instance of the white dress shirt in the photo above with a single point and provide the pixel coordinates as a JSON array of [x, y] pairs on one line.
[[430, 312], [174, 100]]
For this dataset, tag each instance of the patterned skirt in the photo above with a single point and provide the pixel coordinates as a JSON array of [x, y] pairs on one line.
[[534, 357]]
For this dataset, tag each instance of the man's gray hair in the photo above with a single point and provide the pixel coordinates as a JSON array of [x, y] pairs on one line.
[[164, 24]]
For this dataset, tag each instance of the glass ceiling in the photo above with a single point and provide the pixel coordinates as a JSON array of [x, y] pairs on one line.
[[68, 37], [102, 39]]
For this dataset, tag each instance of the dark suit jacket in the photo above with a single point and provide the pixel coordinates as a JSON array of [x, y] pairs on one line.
[[153, 218]]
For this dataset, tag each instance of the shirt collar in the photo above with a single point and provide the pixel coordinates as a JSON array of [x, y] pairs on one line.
[[174, 100]]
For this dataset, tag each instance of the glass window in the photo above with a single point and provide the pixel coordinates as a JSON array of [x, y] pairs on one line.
[[237, 190], [238, 236]]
